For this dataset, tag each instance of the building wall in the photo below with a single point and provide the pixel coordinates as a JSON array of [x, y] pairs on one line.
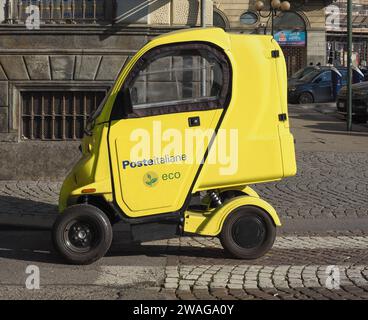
[[64, 56], [90, 55], [313, 12]]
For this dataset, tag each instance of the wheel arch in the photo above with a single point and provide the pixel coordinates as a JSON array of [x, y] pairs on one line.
[[212, 225], [99, 202]]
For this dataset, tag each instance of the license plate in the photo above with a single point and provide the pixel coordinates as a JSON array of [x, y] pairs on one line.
[[341, 105]]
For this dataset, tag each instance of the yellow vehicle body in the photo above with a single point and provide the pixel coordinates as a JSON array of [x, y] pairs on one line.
[[256, 108]]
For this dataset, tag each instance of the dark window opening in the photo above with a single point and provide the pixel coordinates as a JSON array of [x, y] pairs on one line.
[[249, 18], [57, 115]]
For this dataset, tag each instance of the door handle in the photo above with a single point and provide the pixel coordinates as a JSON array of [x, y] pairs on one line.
[[194, 121]]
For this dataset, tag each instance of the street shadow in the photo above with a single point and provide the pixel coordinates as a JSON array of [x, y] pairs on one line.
[[36, 246], [25, 229], [313, 117], [189, 255], [343, 133], [132, 13], [27, 244], [337, 128], [20, 206]]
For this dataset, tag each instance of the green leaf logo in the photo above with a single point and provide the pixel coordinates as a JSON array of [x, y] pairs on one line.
[[150, 179]]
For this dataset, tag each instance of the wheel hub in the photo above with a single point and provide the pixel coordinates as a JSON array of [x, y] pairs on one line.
[[80, 236], [249, 232]]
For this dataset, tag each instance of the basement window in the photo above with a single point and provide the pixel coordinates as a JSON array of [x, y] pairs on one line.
[[57, 115]]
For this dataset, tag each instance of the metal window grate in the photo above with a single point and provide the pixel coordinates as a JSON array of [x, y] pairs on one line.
[[57, 115], [61, 11]]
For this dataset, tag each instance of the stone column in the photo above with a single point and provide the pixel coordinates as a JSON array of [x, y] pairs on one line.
[[316, 47]]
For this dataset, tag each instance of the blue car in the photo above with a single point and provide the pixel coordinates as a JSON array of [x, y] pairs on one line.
[[315, 85]]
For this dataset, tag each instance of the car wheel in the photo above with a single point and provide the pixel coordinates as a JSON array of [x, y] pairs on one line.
[[248, 233], [82, 234], [305, 98]]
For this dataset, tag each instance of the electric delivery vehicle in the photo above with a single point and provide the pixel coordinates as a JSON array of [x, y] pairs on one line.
[[193, 119]]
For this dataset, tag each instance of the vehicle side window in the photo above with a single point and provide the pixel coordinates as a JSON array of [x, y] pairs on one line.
[[325, 76], [178, 79], [344, 74]]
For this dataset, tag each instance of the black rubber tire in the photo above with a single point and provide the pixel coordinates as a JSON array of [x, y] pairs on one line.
[[101, 231], [253, 215], [305, 98]]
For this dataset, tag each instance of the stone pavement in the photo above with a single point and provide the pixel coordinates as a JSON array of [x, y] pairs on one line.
[[331, 266], [328, 185], [298, 267]]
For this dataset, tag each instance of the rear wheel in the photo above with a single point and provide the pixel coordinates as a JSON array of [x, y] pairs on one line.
[[305, 98], [82, 234], [248, 232]]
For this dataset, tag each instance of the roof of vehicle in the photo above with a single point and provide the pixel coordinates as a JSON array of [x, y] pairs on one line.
[[214, 35]]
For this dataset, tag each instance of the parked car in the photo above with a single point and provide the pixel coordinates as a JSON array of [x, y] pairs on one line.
[[360, 101], [302, 72], [314, 86], [364, 70]]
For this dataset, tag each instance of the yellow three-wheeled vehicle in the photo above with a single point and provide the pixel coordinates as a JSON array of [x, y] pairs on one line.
[[193, 119]]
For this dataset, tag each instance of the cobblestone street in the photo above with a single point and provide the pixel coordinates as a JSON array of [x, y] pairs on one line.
[[326, 262]]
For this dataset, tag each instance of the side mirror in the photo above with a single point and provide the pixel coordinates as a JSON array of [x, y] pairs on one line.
[[318, 80]]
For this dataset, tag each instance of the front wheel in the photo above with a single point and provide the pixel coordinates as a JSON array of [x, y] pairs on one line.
[[248, 233], [82, 234], [305, 98]]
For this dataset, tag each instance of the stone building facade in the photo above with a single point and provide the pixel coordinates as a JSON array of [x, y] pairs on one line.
[[52, 77], [308, 17], [336, 22]]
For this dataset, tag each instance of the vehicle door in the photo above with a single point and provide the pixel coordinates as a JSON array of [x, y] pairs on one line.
[[172, 93], [322, 87]]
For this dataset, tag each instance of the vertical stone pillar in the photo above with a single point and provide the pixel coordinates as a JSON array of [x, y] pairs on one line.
[[316, 47], [179, 12], [2, 10]]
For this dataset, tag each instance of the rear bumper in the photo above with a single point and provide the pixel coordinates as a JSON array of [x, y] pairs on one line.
[[359, 107]]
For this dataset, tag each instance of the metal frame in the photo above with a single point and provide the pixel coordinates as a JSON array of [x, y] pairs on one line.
[[15, 11], [18, 87]]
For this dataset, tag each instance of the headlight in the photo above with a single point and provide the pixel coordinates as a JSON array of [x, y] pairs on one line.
[[292, 88]]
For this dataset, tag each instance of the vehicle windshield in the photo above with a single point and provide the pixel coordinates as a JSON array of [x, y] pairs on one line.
[[302, 72], [310, 75], [99, 109]]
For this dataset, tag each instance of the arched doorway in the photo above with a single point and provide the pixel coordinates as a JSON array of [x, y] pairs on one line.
[[290, 32]]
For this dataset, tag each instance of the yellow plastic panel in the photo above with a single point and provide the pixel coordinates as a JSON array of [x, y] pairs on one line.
[[210, 223]]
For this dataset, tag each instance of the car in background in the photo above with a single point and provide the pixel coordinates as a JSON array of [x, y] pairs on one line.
[[302, 72], [360, 101], [364, 70], [314, 86]]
